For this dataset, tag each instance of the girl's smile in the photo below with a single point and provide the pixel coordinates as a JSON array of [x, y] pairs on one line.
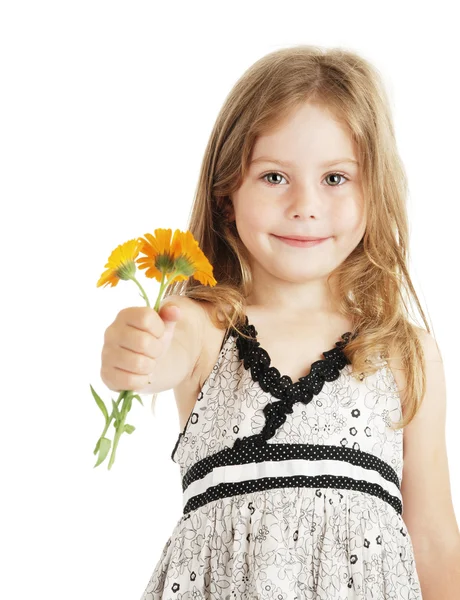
[[300, 243]]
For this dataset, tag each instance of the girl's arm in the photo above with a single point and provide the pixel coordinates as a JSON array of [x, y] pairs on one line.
[[427, 502]]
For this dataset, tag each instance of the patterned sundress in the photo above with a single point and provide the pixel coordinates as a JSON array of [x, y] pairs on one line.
[[291, 490]]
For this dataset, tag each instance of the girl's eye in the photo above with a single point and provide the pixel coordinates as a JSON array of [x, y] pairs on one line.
[[276, 173], [271, 173]]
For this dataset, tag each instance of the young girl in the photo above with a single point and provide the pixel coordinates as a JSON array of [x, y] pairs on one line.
[[306, 376]]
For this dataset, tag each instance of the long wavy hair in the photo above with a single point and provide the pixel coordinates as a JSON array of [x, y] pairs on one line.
[[374, 285]]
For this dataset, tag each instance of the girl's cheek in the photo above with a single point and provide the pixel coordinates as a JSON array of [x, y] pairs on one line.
[[259, 219]]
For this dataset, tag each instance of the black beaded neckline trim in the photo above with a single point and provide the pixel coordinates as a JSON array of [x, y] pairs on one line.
[[280, 386]]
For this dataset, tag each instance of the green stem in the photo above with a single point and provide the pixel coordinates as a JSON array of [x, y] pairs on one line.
[[120, 397], [163, 285], [144, 295], [126, 395], [158, 300], [120, 428]]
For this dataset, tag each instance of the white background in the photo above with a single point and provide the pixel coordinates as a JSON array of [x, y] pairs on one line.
[[106, 109]]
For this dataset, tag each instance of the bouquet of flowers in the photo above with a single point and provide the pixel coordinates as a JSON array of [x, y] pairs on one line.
[[165, 260]]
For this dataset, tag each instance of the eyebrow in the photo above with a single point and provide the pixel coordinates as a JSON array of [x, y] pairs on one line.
[[285, 163]]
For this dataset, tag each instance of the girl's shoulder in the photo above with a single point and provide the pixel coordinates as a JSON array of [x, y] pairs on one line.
[[212, 337], [395, 361]]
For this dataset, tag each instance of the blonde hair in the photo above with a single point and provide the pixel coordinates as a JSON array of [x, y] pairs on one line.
[[373, 283]]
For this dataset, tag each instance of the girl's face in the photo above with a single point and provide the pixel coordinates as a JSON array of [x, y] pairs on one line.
[[293, 188]]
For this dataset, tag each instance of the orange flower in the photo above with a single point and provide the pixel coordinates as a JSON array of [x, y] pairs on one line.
[[121, 263], [166, 261], [181, 256]]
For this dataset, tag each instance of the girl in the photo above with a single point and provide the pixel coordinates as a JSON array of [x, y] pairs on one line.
[[310, 378]]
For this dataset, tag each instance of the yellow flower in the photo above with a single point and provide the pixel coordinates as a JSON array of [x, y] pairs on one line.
[[182, 256], [166, 261], [121, 263]]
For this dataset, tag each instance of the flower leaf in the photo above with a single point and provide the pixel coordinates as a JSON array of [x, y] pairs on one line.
[[129, 428], [116, 412], [104, 447], [100, 403], [138, 398]]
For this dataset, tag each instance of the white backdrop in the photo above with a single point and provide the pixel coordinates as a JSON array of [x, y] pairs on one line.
[[106, 108]]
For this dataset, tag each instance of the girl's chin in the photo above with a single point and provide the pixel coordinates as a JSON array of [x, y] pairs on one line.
[[296, 273]]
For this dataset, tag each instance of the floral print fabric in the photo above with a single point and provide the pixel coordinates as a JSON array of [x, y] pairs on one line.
[[290, 541]]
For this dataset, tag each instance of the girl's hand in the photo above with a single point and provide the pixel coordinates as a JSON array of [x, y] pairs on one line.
[[133, 343]]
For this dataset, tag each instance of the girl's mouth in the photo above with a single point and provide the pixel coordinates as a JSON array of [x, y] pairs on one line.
[[301, 243]]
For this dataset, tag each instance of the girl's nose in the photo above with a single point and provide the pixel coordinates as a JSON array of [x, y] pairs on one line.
[[305, 203]]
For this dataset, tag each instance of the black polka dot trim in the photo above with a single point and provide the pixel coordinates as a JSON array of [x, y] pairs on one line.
[[252, 452], [225, 490], [257, 359]]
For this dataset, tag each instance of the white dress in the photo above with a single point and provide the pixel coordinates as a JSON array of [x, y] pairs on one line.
[[291, 490]]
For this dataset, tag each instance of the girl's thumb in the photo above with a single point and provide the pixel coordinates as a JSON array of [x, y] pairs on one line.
[[170, 314]]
